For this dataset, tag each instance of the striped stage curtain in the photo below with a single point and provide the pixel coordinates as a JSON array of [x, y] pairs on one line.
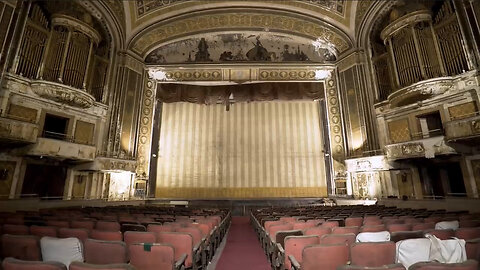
[[255, 150]]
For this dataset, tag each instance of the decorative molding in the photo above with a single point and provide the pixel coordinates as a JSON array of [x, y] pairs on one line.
[[279, 74], [336, 127], [409, 19], [67, 21], [128, 61], [13, 130], [63, 94], [145, 134], [109, 164], [238, 19], [421, 91], [428, 148]]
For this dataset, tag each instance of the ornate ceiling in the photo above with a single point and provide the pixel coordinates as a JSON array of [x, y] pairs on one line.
[[150, 24]]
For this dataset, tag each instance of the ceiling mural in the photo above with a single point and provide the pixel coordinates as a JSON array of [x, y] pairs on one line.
[[241, 47], [145, 7]]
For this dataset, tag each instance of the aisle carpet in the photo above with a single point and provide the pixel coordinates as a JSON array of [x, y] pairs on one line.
[[242, 250]]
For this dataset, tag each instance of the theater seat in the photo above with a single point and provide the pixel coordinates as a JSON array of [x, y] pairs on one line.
[[23, 247], [41, 231], [344, 230], [354, 221], [373, 254], [325, 257], [294, 246], [399, 236], [441, 234], [329, 239], [84, 224], [468, 233], [318, 231], [131, 237], [88, 266], [356, 267], [15, 264], [155, 256], [107, 226], [15, 229], [106, 235], [467, 265], [181, 242], [79, 233], [105, 252]]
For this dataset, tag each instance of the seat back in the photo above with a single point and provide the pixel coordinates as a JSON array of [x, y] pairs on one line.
[[398, 236], [294, 246], [181, 242], [356, 267], [160, 228], [472, 248], [85, 224], [302, 225], [131, 237], [397, 227], [133, 227], [270, 223], [373, 254], [194, 232], [152, 256], [288, 219], [468, 233], [79, 233], [23, 247], [467, 265], [330, 224], [423, 226], [354, 221], [107, 225], [442, 234], [106, 235], [58, 223], [329, 239], [316, 221], [318, 231], [325, 257], [373, 228], [15, 229], [281, 235], [88, 266], [41, 231], [277, 228], [344, 230], [105, 252], [15, 264]]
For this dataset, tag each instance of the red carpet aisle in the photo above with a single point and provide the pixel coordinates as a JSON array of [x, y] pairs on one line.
[[242, 250]]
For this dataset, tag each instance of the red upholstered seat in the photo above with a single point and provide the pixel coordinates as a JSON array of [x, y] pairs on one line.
[[105, 252], [373, 254], [15, 264], [294, 246], [106, 235], [385, 267], [302, 225], [328, 239], [58, 223], [344, 230], [325, 257], [131, 237], [15, 229], [330, 224], [88, 266], [153, 256], [160, 228], [107, 226], [467, 265], [397, 227], [468, 233], [423, 226], [353, 221], [181, 242], [442, 234], [81, 234], [41, 231], [23, 247], [318, 231], [277, 228], [85, 224], [373, 228]]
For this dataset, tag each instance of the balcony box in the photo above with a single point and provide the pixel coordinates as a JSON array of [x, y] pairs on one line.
[[61, 150], [426, 148], [15, 131]]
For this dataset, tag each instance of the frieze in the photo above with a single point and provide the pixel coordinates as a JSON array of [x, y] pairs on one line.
[[227, 21], [63, 94], [420, 91], [406, 150]]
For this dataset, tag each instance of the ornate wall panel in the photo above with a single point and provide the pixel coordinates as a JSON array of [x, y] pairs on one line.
[[399, 131], [84, 132], [462, 110], [257, 149], [145, 128], [22, 113], [336, 126]]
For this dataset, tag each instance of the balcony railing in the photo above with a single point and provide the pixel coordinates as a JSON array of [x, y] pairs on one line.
[[64, 137], [427, 134], [463, 128]]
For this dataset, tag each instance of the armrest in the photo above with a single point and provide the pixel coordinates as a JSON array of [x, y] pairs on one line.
[[280, 248], [295, 264], [181, 261]]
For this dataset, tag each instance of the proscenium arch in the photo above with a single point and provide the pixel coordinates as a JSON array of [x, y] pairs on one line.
[[238, 19]]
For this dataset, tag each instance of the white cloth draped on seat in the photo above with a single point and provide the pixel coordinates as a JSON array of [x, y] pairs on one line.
[[383, 236], [447, 225], [63, 250]]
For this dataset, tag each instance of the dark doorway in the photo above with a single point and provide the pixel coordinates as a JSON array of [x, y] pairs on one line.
[[55, 127], [44, 181]]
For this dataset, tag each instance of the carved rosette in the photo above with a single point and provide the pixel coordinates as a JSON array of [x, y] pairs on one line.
[[336, 126], [63, 94], [146, 122]]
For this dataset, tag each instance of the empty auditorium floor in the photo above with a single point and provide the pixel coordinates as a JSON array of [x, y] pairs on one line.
[[241, 250]]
